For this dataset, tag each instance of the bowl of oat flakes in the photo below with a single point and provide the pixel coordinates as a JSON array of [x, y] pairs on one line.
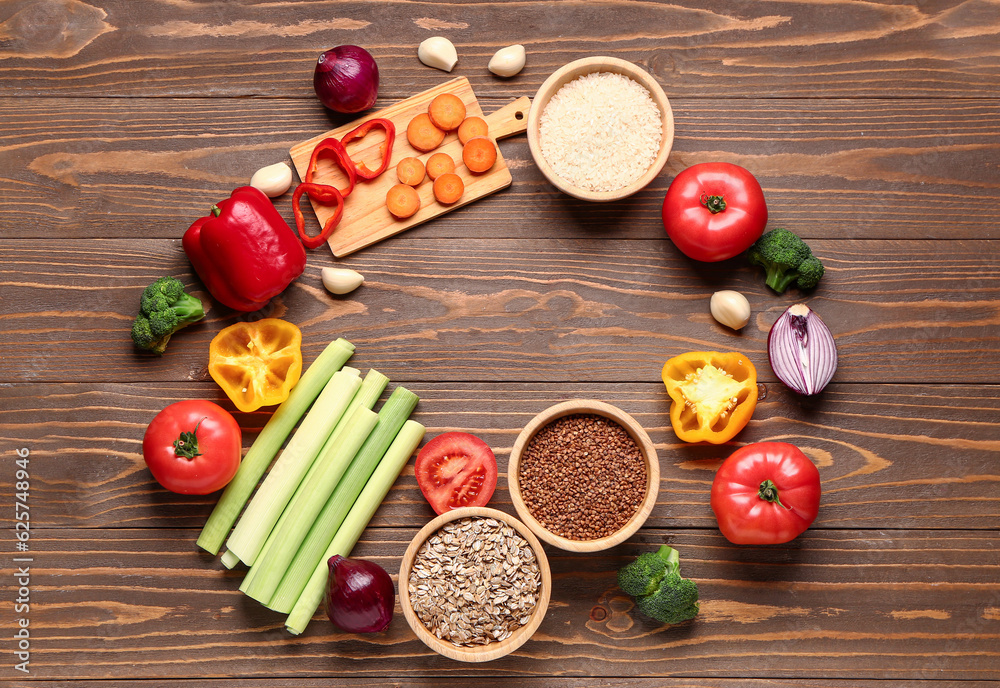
[[583, 475], [474, 584]]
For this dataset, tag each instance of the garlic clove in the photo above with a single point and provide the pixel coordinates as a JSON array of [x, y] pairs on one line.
[[273, 180], [438, 52], [730, 308], [341, 280], [508, 61]]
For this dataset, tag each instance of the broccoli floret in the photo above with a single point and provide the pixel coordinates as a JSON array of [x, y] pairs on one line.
[[786, 259], [655, 581], [643, 575], [164, 308], [674, 601], [810, 272]]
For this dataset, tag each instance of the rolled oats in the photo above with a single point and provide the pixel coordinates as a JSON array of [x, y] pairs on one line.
[[474, 582]]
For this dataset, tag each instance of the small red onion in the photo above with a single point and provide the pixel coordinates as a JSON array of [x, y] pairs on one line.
[[360, 597], [346, 79], [802, 351]]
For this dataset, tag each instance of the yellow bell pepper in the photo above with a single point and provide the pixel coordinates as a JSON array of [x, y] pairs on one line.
[[714, 394], [256, 363]]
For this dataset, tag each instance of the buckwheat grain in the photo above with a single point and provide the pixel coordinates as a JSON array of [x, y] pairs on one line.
[[582, 477]]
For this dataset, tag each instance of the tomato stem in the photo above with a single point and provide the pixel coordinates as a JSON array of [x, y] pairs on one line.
[[768, 491], [186, 446], [715, 204]]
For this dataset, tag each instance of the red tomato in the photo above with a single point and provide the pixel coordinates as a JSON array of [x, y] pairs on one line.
[[456, 469], [714, 211], [193, 447], [765, 493]]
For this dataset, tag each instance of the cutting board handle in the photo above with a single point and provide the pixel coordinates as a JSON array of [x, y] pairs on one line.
[[510, 119]]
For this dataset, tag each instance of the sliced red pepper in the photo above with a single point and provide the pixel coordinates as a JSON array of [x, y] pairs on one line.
[[343, 161], [386, 147], [325, 195]]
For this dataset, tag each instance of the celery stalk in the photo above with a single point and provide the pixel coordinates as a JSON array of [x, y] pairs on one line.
[[287, 472], [269, 441], [229, 560], [371, 389], [269, 570], [391, 417], [361, 513]]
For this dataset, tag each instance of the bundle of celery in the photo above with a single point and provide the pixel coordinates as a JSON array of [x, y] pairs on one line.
[[322, 491]]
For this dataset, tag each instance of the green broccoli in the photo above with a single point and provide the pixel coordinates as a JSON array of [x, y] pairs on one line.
[[654, 580], [787, 259], [164, 308]]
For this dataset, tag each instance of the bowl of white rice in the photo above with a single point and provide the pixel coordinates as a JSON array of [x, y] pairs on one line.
[[600, 128]]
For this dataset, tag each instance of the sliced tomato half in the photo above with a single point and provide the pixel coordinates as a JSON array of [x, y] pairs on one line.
[[456, 469]]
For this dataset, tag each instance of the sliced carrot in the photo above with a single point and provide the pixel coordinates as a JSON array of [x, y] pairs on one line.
[[448, 188], [447, 111], [472, 126], [479, 153], [438, 164], [402, 201], [422, 134], [410, 171]]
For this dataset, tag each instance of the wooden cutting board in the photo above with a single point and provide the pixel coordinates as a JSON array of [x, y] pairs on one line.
[[366, 219]]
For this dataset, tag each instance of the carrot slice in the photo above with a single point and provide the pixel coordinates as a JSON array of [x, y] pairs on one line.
[[448, 188], [447, 111], [438, 164], [410, 171], [402, 201], [472, 126], [479, 153], [422, 134]]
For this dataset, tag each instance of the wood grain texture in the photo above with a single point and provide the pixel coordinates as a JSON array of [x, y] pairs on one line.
[[872, 127], [890, 456], [892, 605], [855, 168], [513, 310], [694, 47], [525, 681]]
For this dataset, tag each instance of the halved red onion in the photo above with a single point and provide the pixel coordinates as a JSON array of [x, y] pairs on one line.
[[802, 351]]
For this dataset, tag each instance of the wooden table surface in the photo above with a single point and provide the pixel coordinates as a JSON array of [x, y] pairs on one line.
[[874, 129]]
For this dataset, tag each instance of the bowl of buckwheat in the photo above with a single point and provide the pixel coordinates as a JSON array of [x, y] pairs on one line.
[[583, 475], [474, 584]]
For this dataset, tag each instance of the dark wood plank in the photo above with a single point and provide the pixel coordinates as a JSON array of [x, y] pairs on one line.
[[694, 47], [890, 456], [857, 168], [112, 604], [504, 682], [515, 310]]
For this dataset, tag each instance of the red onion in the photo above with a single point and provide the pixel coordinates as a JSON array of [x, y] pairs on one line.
[[802, 351], [346, 79], [360, 597]]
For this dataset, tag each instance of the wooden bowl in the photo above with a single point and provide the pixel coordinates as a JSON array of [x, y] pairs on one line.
[[478, 653], [638, 435], [579, 68]]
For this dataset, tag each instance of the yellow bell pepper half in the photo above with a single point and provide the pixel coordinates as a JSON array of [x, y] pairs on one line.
[[714, 394], [256, 363]]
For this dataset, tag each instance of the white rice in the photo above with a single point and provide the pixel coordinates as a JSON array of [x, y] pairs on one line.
[[601, 131]]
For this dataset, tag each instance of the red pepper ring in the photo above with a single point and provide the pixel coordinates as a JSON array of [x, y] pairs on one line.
[[386, 147], [325, 195], [343, 161]]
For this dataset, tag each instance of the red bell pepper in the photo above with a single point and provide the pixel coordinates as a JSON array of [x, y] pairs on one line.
[[326, 195], [343, 161], [244, 251], [386, 147]]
